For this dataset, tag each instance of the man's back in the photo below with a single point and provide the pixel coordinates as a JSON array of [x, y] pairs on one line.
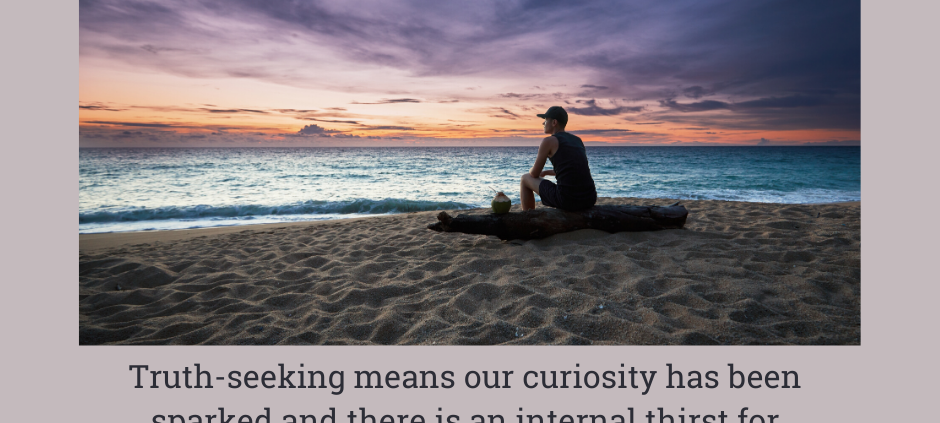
[[572, 172]]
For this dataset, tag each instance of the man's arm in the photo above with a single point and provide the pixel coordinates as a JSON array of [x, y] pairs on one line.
[[546, 149]]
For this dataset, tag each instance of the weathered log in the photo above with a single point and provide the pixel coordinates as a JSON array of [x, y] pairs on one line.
[[545, 222]]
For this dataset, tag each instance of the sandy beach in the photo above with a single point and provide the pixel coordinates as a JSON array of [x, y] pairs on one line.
[[738, 274]]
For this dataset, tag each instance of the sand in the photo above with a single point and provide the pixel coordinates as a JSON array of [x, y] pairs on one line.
[[738, 274]]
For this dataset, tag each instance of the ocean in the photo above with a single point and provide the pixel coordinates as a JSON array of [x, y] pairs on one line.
[[137, 189]]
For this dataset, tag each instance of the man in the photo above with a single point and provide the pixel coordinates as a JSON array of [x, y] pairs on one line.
[[575, 189]]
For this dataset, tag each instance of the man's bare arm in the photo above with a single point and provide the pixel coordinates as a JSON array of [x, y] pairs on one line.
[[546, 149]]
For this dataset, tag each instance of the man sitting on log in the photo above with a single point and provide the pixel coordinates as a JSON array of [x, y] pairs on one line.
[[575, 189]]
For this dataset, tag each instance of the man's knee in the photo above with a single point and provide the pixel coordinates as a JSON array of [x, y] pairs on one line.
[[530, 182], [524, 180]]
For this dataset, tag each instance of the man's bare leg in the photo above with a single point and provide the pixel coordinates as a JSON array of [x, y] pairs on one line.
[[528, 187]]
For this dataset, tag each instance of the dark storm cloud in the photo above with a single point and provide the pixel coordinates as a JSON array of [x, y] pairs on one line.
[[594, 87], [846, 117], [769, 113], [593, 109]]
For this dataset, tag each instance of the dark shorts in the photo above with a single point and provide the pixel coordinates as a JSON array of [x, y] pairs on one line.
[[552, 197]]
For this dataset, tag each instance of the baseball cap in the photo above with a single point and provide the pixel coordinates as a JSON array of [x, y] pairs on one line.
[[555, 112]]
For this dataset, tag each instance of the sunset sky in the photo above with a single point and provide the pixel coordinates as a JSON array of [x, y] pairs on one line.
[[304, 73]]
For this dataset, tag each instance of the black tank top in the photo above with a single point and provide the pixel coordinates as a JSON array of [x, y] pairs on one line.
[[572, 173]]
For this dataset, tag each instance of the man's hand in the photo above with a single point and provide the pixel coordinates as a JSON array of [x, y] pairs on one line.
[[547, 173]]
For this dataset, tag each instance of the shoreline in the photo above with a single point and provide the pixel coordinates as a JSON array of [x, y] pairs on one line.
[[104, 240], [97, 241]]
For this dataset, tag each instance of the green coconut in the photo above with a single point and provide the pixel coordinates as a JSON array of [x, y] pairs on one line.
[[501, 203]]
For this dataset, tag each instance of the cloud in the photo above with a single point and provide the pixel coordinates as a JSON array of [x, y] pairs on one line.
[[497, 112], [696, 92], [296, 111], [146, 125], [764, 141], [351, 122], [593, 109], [795, 101], [157, 50], [701, 106], [521, 96], [393, 101], [129, 134], [830, 115], [315, 131], [235, 111], [766, 47], [782, 102], [386, 128], [505, 114], [323, 116], [605, 131], [99, 107], [769, 62]]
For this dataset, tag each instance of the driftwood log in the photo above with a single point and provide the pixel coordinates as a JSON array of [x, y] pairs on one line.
[[545, 222]]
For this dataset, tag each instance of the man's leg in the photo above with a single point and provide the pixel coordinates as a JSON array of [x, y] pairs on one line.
[[527, 187]]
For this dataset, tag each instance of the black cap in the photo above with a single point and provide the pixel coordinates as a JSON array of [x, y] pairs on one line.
[[556, 112]]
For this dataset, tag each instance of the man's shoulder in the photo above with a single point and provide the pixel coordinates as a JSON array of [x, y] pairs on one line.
[[570, 135], [568, 139]]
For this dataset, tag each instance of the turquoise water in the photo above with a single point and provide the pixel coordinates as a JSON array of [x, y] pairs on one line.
[[133, 189]]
